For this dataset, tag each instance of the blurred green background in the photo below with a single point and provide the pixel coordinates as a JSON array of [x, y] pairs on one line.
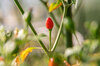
[[86, 17]]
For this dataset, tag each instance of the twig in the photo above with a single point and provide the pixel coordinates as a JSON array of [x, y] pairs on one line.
[[28, 20], [19, 6], [59, 32]]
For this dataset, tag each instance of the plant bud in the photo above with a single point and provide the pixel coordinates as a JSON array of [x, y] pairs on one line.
[[49, 23]]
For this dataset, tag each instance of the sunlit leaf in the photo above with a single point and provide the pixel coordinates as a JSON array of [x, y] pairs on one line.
[[54, 6], [24, 54]]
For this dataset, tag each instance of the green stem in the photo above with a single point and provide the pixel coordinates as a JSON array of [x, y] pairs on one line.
[[19, 6], [69, 42], [68, 39], [50, 39], [21, 10], [77, 39], [35, 33], [26, 26], [59, 32], [28, 21], [52, 15], [39, 40]]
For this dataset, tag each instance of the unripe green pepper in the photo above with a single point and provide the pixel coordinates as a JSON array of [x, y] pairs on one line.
[[69, 25]]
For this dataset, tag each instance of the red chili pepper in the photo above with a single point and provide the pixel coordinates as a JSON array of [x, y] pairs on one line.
[[51, 62], [49, 23], [66, 63], [1, 59]]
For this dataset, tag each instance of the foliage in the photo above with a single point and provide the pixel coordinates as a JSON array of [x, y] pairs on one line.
[[54, 6], [15, 50]]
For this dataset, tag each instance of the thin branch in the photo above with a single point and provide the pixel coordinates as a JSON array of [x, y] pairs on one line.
[[28, 20], [19, 6], [35, 33], [59, 32]]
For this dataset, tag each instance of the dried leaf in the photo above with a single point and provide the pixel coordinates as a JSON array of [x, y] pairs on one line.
[[54, 6], [24, 54]]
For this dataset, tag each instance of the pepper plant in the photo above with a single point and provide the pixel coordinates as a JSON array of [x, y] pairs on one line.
[[66, 14], [84, 54]]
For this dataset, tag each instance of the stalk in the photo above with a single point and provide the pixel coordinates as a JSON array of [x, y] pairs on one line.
[[50, 39], [59, 31], [68, 35], [52, 15], [69, 42], [19, 6], [28, 21]]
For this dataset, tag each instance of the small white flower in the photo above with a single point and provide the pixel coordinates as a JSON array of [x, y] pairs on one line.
[[9, 47], [21, 34], [68, 52], [16, 32], [2, 33], [2, 63]]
